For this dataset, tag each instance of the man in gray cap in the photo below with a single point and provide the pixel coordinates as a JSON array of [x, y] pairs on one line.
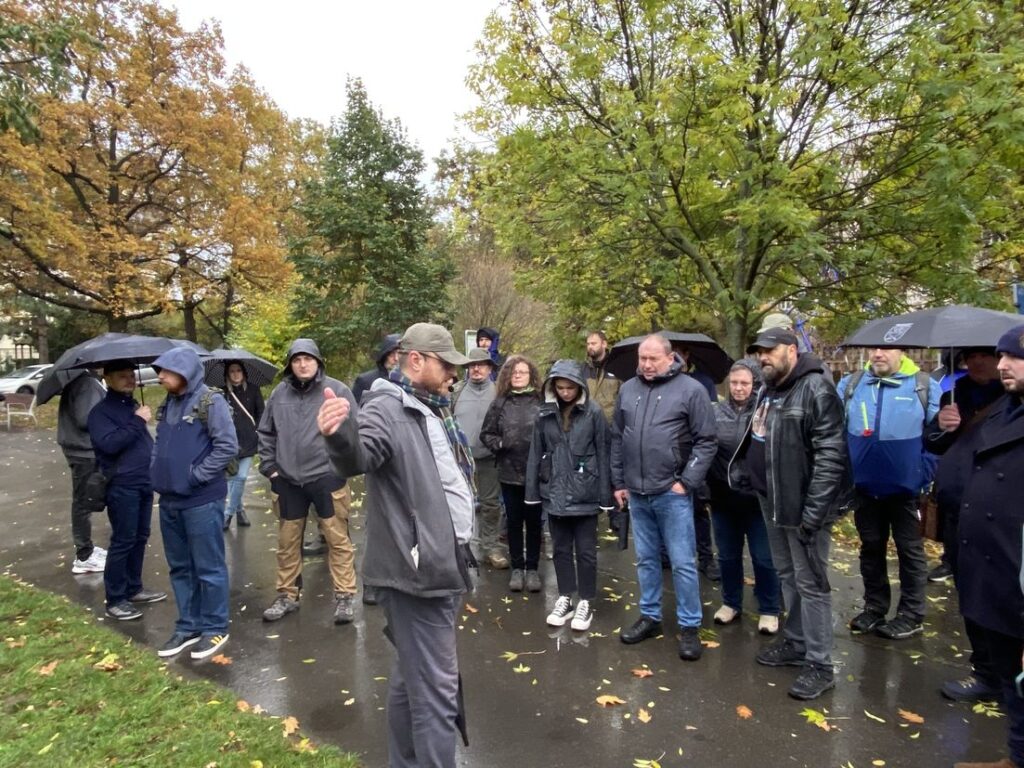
[[470, 401], [419, 501]]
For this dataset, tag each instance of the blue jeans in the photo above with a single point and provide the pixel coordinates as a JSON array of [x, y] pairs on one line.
[[194, 547], [735, 517], [130, 511], [666, 519], [236, 487]]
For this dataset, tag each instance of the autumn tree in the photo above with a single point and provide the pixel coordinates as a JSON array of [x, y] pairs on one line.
[[697, 162], [364, 261], [148, 185]]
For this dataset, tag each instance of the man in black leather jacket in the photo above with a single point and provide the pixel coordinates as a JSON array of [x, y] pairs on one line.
[[797, 458]]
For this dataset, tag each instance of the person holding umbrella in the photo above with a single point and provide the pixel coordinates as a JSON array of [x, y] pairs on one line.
[[246, 403], [195, 442], [118, 429]]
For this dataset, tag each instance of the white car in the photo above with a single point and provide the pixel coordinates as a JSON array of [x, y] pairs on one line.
[[24, 380]]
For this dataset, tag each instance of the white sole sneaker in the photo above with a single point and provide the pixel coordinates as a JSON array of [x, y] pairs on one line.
[[726, 615], [768, 625]]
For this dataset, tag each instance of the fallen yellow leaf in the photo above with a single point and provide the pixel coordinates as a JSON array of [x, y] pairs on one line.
[[609, 701], [108, 663], [471, 609], [744, 712], [643, 716], [710, 643], [47, 669], [290, 725], [642, 673], [243, 706], [910, 717], [221, 659]]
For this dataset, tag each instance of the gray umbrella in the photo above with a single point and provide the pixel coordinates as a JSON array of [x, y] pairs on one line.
[[937, 328], [257, 370]]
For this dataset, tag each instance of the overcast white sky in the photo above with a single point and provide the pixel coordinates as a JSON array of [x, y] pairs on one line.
[[412, 55]]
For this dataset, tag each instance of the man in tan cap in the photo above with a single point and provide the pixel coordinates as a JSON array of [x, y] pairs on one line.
[[419, 500]]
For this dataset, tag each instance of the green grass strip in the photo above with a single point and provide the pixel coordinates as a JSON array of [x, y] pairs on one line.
[[58, 708]]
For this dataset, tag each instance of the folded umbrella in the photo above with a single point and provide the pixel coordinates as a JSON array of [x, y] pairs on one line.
[[706, 355], [257, 370], [936, 328]]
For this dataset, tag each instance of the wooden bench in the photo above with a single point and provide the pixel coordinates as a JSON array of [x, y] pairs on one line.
[[15, 406]]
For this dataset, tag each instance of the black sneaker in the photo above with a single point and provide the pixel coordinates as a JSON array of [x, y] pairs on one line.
[[642, 628], [209, 645], [711, 570], [782, 653], [243, 519], [900, 628], [147, 596], [940, 573], [811, 683], [690, 647], [971, 688], [865, 622], [123, 611], [313, 548], [177, 643]]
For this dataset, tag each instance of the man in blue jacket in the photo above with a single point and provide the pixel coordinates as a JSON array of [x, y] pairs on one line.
[[195, 441], [124, 449], [888, 406], [664, 438]]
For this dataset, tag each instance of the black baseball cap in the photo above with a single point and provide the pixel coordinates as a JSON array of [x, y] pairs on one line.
[[771, 338]]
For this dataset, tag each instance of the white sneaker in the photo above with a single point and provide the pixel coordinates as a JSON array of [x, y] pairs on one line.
[[584, 615], [92, 564], [768, 625], [563, 607], [726, 615]]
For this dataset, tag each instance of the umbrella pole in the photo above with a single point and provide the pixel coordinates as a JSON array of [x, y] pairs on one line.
[[142, 388]]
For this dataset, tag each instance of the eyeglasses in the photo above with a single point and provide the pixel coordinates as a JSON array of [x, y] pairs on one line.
[[441, 360], [519, 372]]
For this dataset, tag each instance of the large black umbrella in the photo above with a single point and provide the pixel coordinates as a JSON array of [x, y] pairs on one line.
[[62, 374], [138, 349], [937, 328], [257, 370], [705, 355]]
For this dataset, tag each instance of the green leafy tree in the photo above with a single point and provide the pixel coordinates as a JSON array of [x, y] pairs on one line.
[[698, 162], [364, 262]]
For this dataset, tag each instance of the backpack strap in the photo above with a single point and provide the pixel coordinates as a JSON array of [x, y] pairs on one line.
[[851, 387], [922, 385]]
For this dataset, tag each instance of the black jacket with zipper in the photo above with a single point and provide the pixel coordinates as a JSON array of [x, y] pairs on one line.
[[245, 402], [807, 465], [507, 431]]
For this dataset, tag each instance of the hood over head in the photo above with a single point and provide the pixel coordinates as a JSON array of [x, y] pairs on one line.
[[490, 333], [302, 347], [565, 369], [755, 370], [387, 345], [183, 361]]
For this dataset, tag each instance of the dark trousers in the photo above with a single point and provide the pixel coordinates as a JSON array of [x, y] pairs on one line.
[[424, 684], [294, 500], [81, 523], [981, 663], [130, 511], [1005, 654], [574, 540], [737, 517], [876, 518], [521, 514], [702, 529]]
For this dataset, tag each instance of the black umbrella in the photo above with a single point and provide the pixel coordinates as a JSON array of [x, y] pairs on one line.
[[705, 355], [138, 349], [62, 374], [936, 328], [257, 370]]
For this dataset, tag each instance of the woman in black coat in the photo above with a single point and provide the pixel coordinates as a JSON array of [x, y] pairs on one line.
[[568, 474], [507, 431], [246, 403]]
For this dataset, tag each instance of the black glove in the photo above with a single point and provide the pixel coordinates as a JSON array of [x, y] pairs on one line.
[[805, 533]]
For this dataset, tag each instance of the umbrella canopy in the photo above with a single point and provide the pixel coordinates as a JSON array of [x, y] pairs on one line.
[[257, 370], [705, 355], [62, 374], [138, 349], [937, 328]]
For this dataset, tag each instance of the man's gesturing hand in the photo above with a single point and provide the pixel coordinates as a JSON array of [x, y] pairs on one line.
[[333, 413]]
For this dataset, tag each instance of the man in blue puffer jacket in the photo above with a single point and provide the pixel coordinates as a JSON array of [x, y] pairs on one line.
[[195, 441], [888, 406]]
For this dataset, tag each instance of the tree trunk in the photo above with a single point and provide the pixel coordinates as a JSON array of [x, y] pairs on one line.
[[42, 329], [188, 314], [117, 323]]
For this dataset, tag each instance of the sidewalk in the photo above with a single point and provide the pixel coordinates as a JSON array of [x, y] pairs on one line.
[[537, 709]]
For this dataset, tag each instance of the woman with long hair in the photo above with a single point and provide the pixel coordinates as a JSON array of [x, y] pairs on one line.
[[507, 432]]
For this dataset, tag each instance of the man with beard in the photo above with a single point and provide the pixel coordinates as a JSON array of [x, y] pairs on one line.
[[796, 456], [988, 559], [602, 385]]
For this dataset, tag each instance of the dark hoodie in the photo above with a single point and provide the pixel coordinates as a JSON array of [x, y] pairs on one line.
[[496, 356], [190, 457], [365, 379], [289, 442], [568, 468]]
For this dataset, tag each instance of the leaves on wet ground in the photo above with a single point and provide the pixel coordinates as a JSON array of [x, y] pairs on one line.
[[642, 673], [744, 712], [814, 717], [289, 725], [876, 718], [609, 700], [108, 663], [987, 708], [643, 715], [221, 659], [910, 717]]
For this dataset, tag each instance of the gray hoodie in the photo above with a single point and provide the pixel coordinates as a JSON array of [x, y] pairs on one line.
[[77, 399], [289, 442], [471, 403]]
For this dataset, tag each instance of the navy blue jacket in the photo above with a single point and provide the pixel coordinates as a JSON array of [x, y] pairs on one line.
[[190, 458], [121, 441]]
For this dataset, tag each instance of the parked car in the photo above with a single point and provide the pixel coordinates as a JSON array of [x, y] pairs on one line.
[[24, 380], [145, 375]]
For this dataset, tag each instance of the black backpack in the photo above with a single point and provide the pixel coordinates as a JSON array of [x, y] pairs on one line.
[[202, 412]]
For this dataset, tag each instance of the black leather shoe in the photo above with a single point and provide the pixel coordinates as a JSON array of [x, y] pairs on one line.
[[369, 595], [710, 570], [690, 647], [243, 519], [811, 683], [227, 522], [643, 628]]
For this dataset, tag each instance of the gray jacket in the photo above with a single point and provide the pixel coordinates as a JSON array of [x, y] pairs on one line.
[[289, 442], [663, 432], [417, 498], [471, 403], [76, 401]]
